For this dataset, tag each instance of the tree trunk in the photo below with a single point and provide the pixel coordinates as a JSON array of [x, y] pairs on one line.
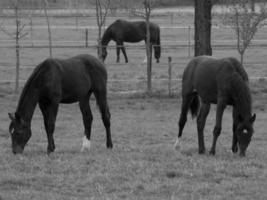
[[203, 27], [242, 57], [17, 50]]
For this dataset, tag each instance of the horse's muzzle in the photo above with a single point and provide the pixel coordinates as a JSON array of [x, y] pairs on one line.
[[17, 150], [242, 151]]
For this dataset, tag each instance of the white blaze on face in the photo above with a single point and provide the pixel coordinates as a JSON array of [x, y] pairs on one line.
[[86, 144], [177, 145]]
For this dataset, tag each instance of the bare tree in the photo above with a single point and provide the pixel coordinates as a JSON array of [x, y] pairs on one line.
[[17, 35], [45, 5], [245, 20], [102, 7]]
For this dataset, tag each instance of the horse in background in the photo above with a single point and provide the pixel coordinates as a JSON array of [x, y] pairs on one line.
[[122, 31], [56, 81], [206, 81]]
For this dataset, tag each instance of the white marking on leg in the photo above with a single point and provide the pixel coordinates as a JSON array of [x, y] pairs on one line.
[[145, 60], [177, 145], [86, 144]]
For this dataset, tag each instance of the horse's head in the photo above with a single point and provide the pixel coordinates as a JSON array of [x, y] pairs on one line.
[[244, 132], [20, 133]]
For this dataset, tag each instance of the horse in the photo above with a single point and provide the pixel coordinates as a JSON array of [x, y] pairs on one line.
[[56, 81], [124, 31], [207, 80]]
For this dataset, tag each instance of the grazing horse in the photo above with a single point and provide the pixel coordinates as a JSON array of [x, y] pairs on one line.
[[57, 81], [206, 81], [124, 31]]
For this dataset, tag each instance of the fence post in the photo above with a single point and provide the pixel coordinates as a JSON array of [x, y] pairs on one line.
[[189, 41], [170, 75], [86, 37]]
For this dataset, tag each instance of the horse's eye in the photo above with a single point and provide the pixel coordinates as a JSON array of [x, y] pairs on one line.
[[245, 131]]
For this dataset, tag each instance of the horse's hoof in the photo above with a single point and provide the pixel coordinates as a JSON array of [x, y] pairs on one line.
[[201, 151], [110, 146], [212, 152], [234, 149], [50, 149], [177, 145], [86, 144]]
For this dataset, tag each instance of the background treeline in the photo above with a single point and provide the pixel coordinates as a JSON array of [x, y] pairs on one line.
[[34, 4]]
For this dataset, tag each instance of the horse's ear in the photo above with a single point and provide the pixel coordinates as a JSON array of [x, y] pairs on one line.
[[253, 117], [11, 116]]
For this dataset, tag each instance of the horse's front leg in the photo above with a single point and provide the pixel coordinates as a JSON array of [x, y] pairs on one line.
[[201, 121], [87, 121], [49, 111], [218, 126], [124, 53], [234, 142]]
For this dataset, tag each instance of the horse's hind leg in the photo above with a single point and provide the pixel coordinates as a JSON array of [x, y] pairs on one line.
[[201, 120], [101, 98], [87, 121], [49, 111]]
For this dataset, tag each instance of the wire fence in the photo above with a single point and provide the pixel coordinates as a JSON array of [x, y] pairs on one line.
[[166, 78]]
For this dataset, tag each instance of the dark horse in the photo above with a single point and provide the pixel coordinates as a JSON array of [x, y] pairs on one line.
[[57, 81], [223, 82], [123, 31]]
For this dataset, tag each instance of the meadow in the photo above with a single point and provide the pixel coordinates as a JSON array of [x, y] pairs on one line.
[[143, 163]]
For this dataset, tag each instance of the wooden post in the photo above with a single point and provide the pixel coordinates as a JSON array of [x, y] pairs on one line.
[[86, 37], [170, 74], [189, 41]]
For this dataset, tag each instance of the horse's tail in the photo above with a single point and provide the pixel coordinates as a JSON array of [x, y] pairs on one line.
[[157, 47], [194, 105]]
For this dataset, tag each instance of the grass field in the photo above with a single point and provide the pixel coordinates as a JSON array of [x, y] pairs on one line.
[[143, 163]]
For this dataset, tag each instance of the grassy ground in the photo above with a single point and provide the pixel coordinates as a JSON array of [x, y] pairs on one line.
[[143, 164]]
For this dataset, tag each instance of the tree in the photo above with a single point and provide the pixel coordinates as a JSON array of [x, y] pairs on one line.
[[17, 35], [102, 7], [245, 21], [203, 27], [45, 4]]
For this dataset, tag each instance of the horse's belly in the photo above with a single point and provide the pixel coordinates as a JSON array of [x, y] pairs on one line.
[[208, 97], [74, 91]]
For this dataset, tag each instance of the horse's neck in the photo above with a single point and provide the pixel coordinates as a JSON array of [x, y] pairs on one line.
[[105, 39], [27, 104], [242, 99]]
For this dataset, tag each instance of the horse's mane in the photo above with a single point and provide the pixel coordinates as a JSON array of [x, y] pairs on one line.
[[241, 93], [28, 84]]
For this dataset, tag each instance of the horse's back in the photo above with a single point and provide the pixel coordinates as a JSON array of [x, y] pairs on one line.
[[71, 79], [131, 31], [208, 75]]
